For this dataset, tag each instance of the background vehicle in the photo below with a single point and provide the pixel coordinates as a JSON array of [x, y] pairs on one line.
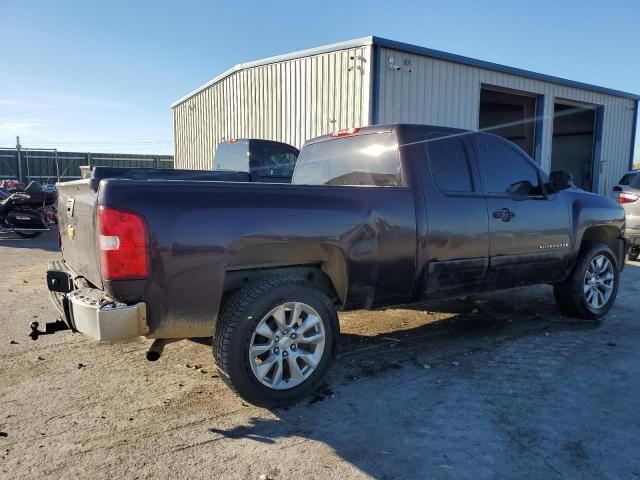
[[12, 186], [28, 213], [262, 160], [627, 193], [377, 216], [244, 160]]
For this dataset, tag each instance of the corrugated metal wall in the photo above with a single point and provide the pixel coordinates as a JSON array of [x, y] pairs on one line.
[[46, 166], [288, 101], [439, 92]]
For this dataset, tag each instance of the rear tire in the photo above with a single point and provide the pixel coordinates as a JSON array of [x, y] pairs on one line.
[[591, 289], [634, 253], [270, 316], [28, 234]]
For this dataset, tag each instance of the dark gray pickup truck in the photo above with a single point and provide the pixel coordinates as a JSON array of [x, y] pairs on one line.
[[377, 216]]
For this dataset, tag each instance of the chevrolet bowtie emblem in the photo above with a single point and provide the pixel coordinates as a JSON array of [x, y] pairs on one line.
[[71, 232]]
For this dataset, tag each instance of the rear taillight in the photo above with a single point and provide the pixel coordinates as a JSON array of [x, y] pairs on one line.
[[123, 246], [625, 197], [345, 132]]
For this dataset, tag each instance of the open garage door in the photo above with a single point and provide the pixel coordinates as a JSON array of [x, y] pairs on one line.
[[574, 139], [510, 115]]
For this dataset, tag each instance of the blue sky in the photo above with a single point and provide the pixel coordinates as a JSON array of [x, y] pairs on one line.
[[100, 75]]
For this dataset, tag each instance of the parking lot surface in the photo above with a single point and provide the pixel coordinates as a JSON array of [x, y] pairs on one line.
[[490, 386]]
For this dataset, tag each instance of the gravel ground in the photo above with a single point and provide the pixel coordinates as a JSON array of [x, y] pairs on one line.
[[493, 386]]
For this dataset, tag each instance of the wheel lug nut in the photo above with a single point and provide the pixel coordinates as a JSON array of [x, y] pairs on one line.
[[276, 350], [285, 354], [294, 336], [293, 347], [285, 332], [277, 338]]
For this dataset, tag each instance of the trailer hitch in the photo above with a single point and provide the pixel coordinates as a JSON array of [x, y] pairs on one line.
[[49, 329]]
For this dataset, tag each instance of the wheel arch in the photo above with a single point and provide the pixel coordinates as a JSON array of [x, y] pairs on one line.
[[323, 265], [604, 234]]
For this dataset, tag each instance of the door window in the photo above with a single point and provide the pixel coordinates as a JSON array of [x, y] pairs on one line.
[[449, 163], [506, 170]]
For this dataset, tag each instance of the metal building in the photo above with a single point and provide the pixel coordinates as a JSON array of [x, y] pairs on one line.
[[565, 125]]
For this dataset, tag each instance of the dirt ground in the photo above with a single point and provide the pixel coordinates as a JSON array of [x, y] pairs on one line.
[[493, 386]]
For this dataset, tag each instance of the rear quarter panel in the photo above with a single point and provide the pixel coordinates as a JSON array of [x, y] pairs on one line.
[[199, 230]]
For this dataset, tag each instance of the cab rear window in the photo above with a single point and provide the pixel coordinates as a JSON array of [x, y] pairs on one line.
[[359, 160], [232, 155]]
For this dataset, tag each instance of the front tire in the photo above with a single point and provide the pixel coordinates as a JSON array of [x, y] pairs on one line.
[[591, 289], [275, 340]]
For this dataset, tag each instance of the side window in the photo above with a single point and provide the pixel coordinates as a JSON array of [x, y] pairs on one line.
[[506, 171], [449, 163], [629, 179]]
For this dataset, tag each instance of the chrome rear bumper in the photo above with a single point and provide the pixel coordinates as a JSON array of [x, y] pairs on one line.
[[105, 320], [92, 312]]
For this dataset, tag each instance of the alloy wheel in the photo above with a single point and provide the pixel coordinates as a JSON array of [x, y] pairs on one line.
[[598, 282], [287, 345]]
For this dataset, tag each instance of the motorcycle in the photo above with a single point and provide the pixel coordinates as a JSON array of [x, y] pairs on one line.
[[30, 212], [11, 186]]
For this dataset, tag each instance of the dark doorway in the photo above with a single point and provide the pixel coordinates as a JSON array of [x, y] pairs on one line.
[[574, 142], [510, 115]]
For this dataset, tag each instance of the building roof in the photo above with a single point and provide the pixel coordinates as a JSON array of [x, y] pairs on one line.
[[415, 49]]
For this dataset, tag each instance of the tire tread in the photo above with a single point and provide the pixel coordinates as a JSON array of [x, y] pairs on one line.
[[233, 313], [569, 293]]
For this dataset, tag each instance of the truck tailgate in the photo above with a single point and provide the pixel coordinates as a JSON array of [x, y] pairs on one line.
[[77, 222]]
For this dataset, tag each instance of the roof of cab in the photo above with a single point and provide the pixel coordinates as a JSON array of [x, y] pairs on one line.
[[384, 128]]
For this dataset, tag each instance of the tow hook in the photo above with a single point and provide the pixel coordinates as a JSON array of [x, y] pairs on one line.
[[49, 329], [156, 348]]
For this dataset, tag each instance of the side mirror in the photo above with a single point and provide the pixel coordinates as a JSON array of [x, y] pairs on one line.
[[560, 180], [522, 188]]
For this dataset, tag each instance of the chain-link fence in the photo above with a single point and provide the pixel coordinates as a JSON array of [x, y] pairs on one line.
[[49, 166]]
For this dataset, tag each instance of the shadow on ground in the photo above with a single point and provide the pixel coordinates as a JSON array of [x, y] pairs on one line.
[[503, 386], [46, 241]]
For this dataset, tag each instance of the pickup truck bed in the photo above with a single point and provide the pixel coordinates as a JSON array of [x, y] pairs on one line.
[[218, 228], [375, 216]]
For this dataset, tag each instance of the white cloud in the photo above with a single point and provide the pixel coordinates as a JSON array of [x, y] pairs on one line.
[[18, 128], [62, 101]]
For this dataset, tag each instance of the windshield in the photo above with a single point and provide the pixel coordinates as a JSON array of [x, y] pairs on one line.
[[356, 160]]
